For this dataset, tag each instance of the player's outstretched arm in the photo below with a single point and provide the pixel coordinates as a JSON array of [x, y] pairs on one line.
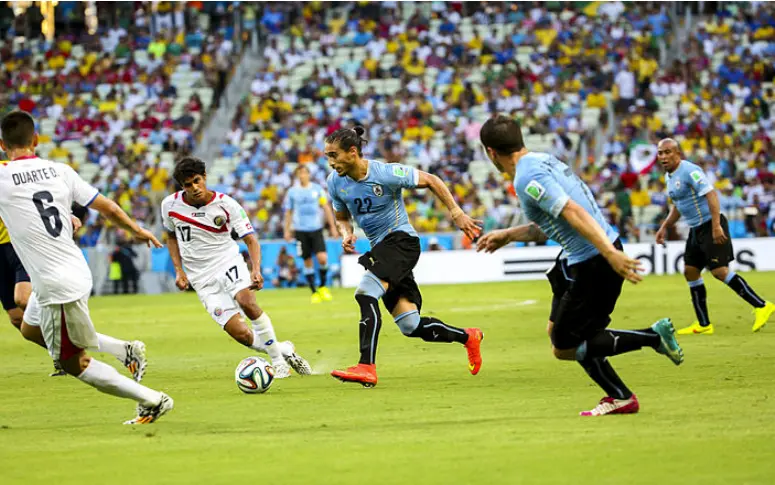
[[588, 227], [254, 251], [471, 227], [115, 214], [345, 225], [495, 240], [672, 218], [715, 216]]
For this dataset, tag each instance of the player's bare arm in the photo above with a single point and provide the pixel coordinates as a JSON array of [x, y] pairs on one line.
[[287, 219], [330, 220], [254, 251], [495, 240], [672, 218], [470, 227], [181, 280], [345, 225], [715, 216], [115, 214], [585, 225]]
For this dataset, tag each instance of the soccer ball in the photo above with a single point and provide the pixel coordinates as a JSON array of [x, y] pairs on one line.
[[254, 375]]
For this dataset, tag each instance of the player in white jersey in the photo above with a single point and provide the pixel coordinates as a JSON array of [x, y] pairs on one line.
[[202, 225], [35, 200], [130, 354]]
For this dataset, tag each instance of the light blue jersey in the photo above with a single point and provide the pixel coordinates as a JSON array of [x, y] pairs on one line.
[[307, 206], [544, 186], [376, 202], [688, 186]]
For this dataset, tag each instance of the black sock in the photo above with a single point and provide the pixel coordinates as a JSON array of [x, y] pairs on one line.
[[600, 370], [740, 286], [614, 342], [323, 275], [368, 330], [700, 301], [311, 281], [434, 330]]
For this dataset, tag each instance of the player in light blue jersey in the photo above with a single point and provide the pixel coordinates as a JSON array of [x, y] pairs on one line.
[[371, 193], [588, 277], [709, 244], [305, 205]]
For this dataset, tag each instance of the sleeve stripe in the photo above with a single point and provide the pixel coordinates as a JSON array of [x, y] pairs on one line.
[[559, 205], [92, 199]]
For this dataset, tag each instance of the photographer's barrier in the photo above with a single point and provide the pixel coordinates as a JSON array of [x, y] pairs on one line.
[[531, 263]]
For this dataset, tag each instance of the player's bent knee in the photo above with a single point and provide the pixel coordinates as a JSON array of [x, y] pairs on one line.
[[16, 316], [720, 273], [371, 286], [322, 259], [691, 273], [564, 354], [21, 294], [408, 322], [76, 364]]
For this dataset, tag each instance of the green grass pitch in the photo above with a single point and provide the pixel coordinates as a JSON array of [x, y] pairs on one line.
[[711, 420]]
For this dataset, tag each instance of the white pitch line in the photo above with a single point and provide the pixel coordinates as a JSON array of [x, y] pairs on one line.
[[482, 308]]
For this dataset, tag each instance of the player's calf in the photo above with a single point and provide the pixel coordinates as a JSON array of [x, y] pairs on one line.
[[239, 331]]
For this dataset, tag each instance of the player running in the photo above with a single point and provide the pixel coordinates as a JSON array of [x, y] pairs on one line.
[[587, 280], [200, 224], [304, 205], [35, 200], [130, 354], [709, 244], [370, 192]]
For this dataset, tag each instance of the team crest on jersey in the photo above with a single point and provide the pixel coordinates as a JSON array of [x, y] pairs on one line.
[[535, 190], [677, 184], [218, 312], [377, 190], [219, 221]]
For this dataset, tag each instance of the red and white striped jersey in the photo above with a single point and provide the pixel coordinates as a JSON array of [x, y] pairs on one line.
[[204, 233]]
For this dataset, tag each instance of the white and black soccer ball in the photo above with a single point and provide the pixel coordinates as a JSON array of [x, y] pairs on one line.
[[254, 375]]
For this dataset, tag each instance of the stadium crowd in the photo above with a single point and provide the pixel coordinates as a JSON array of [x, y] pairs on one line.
[[589, 82]]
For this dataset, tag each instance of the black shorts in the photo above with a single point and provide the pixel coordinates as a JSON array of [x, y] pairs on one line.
[[11, 272], [311, 242], [702, 252], [584, 296], [393, 260]]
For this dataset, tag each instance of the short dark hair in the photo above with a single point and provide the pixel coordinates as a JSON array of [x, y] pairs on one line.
[[18, 129], [188, 167], [348, 138], [502, 134]]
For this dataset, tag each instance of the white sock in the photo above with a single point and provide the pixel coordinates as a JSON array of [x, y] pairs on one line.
[[263, 329], [112, 346], [107, 379]]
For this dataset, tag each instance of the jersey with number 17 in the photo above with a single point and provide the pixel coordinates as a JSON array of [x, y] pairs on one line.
[[35, 200], [204, 233]]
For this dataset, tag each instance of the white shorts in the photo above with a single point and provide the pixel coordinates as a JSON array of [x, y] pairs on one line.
[[217, 295], [67, 328], [32, 312]]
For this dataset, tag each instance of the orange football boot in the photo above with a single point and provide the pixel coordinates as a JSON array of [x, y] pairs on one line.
[[473, 344], [364, 374]]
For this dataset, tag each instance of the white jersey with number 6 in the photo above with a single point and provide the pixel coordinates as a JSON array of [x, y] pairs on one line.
[[204, 233], [35, 200]]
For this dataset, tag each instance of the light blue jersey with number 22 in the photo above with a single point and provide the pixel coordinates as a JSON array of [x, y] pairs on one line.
[[544, 186], [376, 202]]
